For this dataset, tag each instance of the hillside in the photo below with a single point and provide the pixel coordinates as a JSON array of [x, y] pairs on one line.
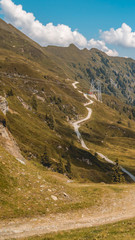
[[44, 76], [56, 105], [45, 170], [117, 75]]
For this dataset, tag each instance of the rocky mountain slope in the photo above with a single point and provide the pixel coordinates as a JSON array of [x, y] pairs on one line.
[[117, 75]]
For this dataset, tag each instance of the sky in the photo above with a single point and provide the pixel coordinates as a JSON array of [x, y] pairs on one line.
[[104, 24]]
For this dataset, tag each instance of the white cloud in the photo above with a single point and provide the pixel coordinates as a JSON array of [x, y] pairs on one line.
[[60, 35], [122, 36], [101, 46]]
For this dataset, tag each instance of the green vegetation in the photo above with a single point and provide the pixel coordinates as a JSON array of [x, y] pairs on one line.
[[117, 176], [25, 190], [68, 167], [60, 167], [105, 134], [42, 103], [10, 93], [45, 160]]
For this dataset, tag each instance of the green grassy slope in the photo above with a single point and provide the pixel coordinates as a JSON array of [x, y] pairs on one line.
[[112, 133], [26, 190], [30, 70]]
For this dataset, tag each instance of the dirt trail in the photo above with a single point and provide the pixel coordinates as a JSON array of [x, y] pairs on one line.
[[123, 169], [116, 210], [76, 126]]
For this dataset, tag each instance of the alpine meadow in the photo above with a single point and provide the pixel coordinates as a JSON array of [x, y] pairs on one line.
[[67, 140]]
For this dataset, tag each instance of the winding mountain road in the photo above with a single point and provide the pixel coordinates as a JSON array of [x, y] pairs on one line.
[[110, 211], [76, 126]]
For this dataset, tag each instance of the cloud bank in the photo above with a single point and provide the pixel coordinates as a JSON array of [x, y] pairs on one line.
[[60, 35], [101, 45], [122, 36]]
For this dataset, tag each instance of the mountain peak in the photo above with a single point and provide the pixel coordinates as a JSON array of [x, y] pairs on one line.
[[73, 46]]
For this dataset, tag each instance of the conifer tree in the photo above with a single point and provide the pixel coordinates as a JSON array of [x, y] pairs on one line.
[[117, 176], [50, 121], [60, 167], [68, 166], [45, 160]]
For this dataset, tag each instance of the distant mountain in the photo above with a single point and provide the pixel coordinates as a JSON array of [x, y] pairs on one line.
[[117, 75]]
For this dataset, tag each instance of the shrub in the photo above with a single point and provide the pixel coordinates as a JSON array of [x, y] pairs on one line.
[[68, 166], [60, 168], [10, 93], [45, 160], [117, 176]]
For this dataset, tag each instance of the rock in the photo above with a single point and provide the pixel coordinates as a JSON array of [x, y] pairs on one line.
[[59, 147], [70, 181], [3, 105], [65, 195], [54, 197]]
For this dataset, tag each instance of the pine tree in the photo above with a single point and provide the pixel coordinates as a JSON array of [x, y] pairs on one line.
[[68, 166], [117, 176], [45, 160], [10, 93], [50, 121], [60, 167]]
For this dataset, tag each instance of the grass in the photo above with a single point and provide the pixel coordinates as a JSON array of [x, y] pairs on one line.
[[25, 190], [28, 69], [47, 73], [104, 134], [25, 80], [116, 231]]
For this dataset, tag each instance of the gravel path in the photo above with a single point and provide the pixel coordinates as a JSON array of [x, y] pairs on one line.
[[76, 126], [118, 210]]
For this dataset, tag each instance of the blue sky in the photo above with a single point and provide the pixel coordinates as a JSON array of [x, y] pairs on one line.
[[88, 17]]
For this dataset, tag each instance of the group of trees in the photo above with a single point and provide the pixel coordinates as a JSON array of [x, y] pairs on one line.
[[117, 176], [50, 121], [61, 168]]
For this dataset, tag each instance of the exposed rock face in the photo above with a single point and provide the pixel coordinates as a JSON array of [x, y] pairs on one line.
[[9, 143], [3, 105], [6, 138]]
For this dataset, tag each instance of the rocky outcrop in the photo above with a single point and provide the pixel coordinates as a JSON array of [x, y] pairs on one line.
[[9, 143], [3, 105], [6, 138]]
